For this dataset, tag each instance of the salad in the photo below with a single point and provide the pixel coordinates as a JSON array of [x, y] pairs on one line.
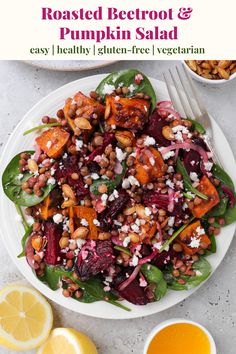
[[120, 198]]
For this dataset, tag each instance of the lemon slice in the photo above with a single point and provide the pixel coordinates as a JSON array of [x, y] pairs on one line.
[[25, 318], [67, 341]]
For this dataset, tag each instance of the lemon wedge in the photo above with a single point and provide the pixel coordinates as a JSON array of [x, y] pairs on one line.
[[25, 318], [67, 341]]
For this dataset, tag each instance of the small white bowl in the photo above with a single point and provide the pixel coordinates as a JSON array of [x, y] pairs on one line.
[[172, 321], [207, 81]]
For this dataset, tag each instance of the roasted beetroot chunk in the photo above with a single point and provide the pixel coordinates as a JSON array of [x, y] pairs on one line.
[[133, 292], [192, 161], [94, 257], [114, 208], [164, 258], [154, 129], [155, 198], [65, 168], [53, 233]]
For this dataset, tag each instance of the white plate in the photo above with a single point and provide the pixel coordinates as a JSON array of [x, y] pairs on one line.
[[12, 231], [69, 65]]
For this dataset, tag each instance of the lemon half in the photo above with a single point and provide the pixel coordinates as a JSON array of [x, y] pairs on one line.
[[67, 341], [25, 318]]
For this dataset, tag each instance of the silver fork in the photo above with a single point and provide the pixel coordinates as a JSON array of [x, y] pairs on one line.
[[185, 99]]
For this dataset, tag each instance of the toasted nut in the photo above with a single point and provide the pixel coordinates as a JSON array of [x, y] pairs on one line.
[[129, 211], [81, 232], [206, 65], [104, 235], [133, 237], [177, 247], [82, 123], [141, 212], [168, 133], [192, 64], [124, 137], [223, 73], [68, 203], [33, 166], [37, 242], [224, 63], [64, 242], [68, 191], [107, 111]]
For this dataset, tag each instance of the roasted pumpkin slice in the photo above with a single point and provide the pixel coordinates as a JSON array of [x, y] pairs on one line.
[[206, 187], [90, 215], [82, 106], [52, 141], [129, 113], [149, 165], [192, 238]]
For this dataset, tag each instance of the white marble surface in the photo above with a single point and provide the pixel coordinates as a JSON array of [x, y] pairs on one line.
[[214, 305]]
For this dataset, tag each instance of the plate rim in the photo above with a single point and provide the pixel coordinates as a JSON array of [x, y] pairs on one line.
[[42, 287]]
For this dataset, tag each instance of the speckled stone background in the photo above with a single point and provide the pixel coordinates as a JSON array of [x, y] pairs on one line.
[[214, 305]]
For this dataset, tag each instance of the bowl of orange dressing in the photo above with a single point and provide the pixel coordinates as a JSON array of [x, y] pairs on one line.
[[180, 336]]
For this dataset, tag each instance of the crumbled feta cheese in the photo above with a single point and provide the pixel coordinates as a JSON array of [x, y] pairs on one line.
[[198, 273], [133, 181], [194, 177], [117, 223], [138, 222], [107, 288], [142, 282], [192, 163], [120, 154], [135, 228], [157, 245], [125, 228], [57, 218], [170, 169], [84, 222], [149, 141], [152, 161], [78, 144], [168, 155], [117, 98], [108, 89], [94, 176], [20, 176], [171, 221], [113, 126], [170, 184], [208, 166], [51, 180], [200, 231], [134, 260], [65, 155], [52, 171], [49, 144], [125, 183], [195, 242], [126, 241], [96, 222], [147, 211], [104, 198], [185, 206], [171, 231], [131, 88]]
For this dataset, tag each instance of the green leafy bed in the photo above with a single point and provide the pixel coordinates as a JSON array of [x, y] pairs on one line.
[[93, 289]]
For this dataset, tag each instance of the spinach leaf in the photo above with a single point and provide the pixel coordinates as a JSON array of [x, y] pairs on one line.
[[12, 184], [123, 249], [220, 208], [92, 288], [111, 184], [127, 78], [220, 174], [187, 181], [154, 275], [229, 217], [203, 269], [23, 241], [42, 126], [197, 126], [175, 234]]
